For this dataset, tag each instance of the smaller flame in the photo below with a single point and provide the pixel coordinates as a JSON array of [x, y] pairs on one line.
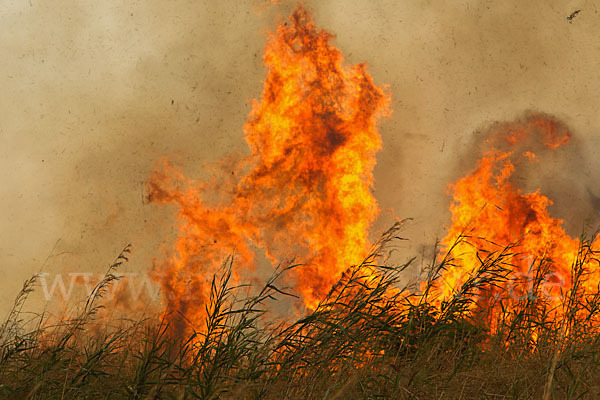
[[493, 214]]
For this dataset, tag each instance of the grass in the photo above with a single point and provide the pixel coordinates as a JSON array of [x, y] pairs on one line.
[[370, 338]]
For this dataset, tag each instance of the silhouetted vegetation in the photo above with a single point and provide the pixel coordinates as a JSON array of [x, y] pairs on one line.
[[370, 338]]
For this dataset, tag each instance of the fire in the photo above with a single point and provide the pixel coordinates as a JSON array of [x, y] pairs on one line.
[[305, 187], [493, 213]]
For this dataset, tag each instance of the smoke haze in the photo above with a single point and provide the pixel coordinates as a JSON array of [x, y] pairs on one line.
[[94, 93]]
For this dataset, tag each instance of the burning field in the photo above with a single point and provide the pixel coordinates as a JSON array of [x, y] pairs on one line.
[[278, 283]]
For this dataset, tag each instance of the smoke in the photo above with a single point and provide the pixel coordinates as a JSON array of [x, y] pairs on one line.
[[561, 169], [456, 69], [95, 92]]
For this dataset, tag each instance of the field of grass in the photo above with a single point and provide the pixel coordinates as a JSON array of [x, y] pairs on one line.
[[371, 338]]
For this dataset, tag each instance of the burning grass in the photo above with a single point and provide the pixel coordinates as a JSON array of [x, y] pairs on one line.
[[370, 337]]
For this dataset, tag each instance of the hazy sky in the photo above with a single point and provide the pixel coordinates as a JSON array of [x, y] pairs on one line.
[[95, 92]]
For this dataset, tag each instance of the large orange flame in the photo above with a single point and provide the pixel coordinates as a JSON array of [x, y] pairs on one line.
[[306, 192], [494, 213]]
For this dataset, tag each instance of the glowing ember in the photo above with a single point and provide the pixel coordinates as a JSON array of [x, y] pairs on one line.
[[307, 194], [493, 213]]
